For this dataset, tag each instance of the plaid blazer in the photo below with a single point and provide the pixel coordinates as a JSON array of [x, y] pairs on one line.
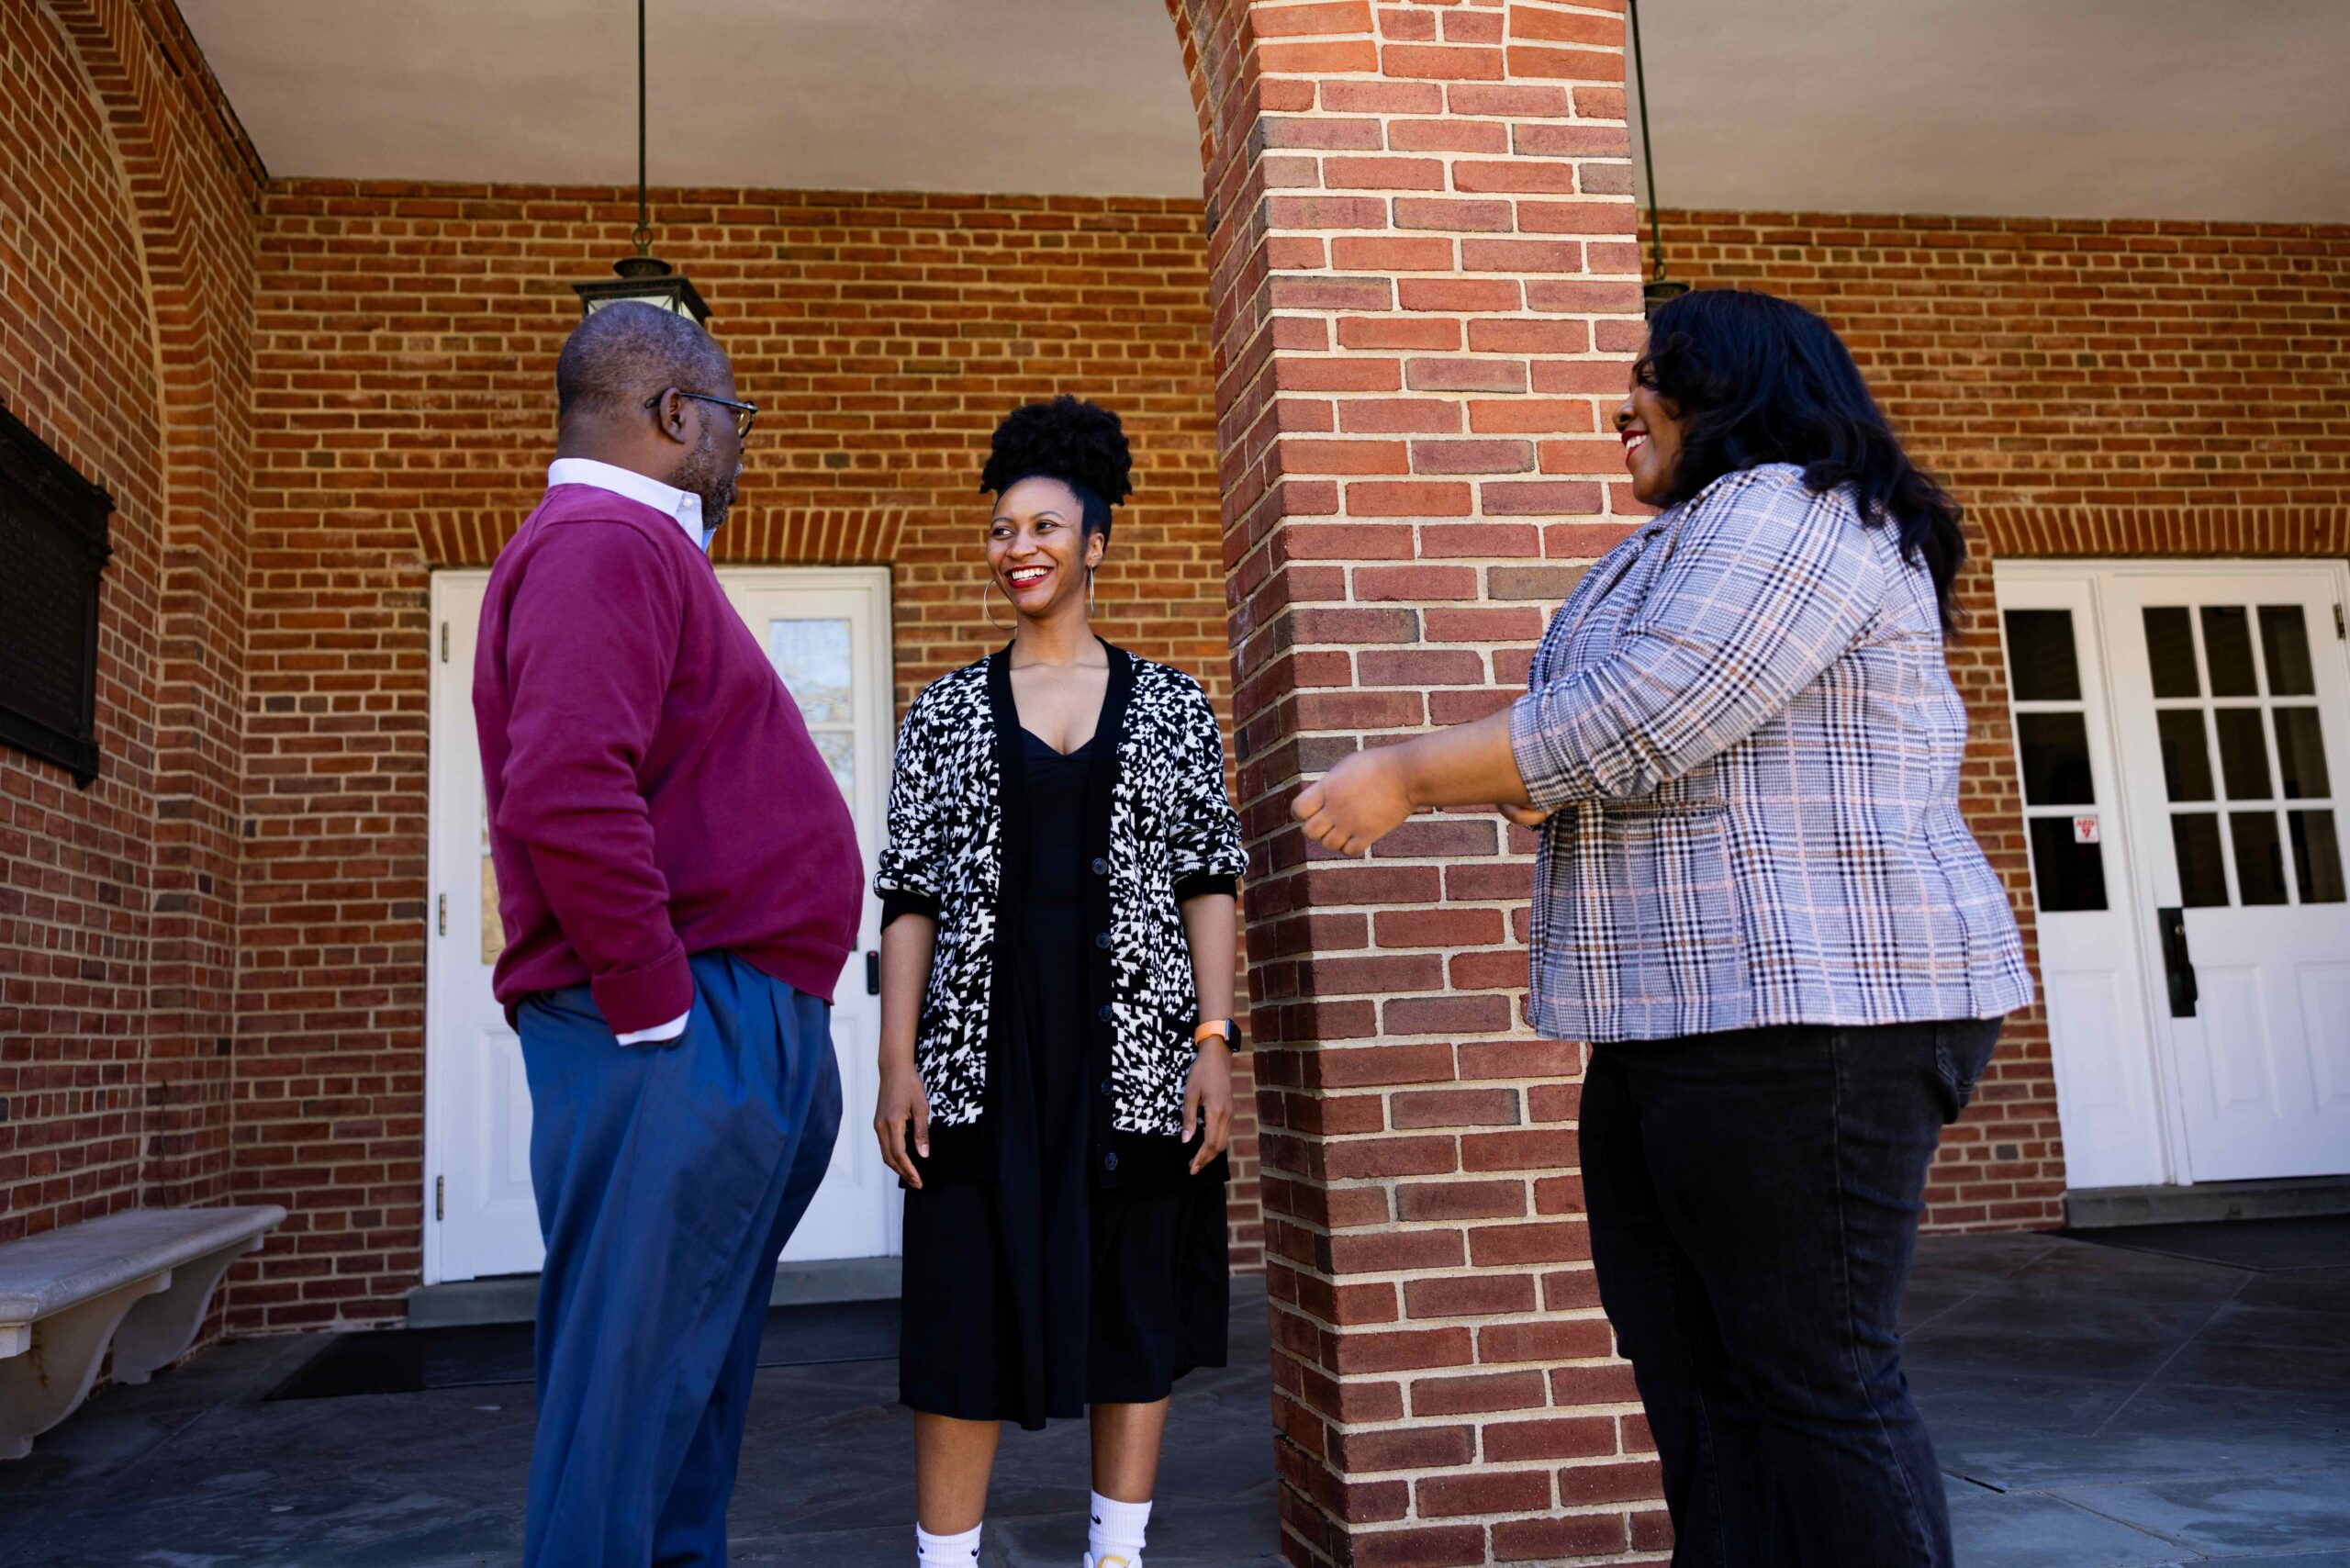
[[1744, 721]]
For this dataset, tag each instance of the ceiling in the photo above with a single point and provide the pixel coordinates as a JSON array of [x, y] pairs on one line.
[[2058, 109], [2149, 109], [1071, 97]]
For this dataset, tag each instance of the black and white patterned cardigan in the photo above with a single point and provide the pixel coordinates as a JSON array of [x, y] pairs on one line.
[[1159, 828]]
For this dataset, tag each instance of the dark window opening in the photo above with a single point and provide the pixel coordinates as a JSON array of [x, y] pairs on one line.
[[53, 548]]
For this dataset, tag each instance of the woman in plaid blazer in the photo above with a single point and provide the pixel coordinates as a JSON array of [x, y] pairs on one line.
[[1756, 897]]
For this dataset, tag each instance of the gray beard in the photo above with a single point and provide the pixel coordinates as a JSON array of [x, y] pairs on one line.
[[716, 502], [699, 475]]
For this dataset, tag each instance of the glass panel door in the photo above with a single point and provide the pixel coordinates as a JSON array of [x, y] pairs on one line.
[[2243, 743], [2232, 697], [827, 632], [2060, 785], [2092, 979]]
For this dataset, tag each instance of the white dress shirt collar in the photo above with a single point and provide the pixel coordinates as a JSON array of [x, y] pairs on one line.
[[683, 505]]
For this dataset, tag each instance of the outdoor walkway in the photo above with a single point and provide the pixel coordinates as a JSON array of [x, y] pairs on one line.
[[2097, 1408], [2101, 1408]]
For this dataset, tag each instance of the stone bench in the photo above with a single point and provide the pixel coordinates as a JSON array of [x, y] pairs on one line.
[[140, 1281]]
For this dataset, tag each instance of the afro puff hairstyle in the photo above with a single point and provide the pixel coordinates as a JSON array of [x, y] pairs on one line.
[[1079, 443]]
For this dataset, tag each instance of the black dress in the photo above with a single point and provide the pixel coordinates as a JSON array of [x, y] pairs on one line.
[[1031, 1294]]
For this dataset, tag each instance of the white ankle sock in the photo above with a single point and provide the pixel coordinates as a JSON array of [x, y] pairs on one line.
[[1116, 1538], [946, 1551]]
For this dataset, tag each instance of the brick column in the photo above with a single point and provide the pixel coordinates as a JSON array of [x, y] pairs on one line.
[[1426, 276]]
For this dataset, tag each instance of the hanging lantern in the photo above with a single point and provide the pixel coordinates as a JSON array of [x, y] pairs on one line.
[[1660, 288], [644, 275], [649, 278]]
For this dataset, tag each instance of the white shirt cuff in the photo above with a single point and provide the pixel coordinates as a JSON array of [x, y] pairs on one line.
[[658, 1033]]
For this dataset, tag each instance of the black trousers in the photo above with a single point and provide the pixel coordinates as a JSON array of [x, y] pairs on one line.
[[1754, 1199]]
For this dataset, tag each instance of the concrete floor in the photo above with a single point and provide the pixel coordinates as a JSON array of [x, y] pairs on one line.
[[2100, 1408], [2095, 1408]]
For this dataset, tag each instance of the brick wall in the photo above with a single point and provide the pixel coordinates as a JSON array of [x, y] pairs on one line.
[[2085, 388], [406, 350], [2057, 365], [126, 221]]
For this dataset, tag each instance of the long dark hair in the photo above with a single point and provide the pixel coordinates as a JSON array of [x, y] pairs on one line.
[[1757, 379]]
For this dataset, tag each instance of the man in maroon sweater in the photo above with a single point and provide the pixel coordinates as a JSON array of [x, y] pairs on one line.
[[679, 883]]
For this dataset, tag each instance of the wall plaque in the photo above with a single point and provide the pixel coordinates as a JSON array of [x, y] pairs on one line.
[[53, 548]]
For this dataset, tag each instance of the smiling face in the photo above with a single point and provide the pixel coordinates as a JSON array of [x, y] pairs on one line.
[[1038, 551], [1650, 427]]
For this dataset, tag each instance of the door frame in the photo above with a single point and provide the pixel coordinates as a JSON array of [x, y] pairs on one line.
[[2136, 872], [443, 710]]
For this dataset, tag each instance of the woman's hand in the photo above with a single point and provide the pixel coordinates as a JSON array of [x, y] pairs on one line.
[[1525, 816], [1356, 803], [902, 1100], [1210, 1090]]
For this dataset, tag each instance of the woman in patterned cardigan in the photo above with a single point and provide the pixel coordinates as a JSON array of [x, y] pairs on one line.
[[1057, 952], [1755, 895]]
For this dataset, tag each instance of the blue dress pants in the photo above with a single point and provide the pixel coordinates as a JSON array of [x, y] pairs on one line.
[[667, 1178]]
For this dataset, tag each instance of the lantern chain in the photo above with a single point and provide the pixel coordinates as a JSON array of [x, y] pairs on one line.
[[644, 235]]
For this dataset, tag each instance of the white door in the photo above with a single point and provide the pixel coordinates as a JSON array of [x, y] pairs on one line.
[[479, 1216], [2107, 1097], [2180, 729], [828, 631], [2233, 697]]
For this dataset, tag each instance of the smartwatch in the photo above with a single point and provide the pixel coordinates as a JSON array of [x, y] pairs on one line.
[[1225, 1029]]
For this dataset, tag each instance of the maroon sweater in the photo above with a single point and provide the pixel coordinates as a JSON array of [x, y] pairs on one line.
[[653, 791]]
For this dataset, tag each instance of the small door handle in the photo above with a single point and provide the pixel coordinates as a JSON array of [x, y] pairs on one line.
[[2178, 969], [873, 972]]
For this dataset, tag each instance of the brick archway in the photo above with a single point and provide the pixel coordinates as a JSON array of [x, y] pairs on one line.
[[1425, 284], [197, 265]]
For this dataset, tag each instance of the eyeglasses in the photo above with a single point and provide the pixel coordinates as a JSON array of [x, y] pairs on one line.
[[745, 414]]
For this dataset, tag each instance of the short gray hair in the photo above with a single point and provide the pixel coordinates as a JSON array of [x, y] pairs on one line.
[[629, 351]]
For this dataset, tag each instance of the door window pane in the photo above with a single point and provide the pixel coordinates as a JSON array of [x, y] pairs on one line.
[[838, 748], [2042, 667], [2285, 638], [2301, 755], [2056, 759], [2317, 856], [2260, 859], [2069, 876], [2227, 648], [2187, 755], [2170, 650], [813, 657], [2243, 753], [2202, 876], [493, 929]]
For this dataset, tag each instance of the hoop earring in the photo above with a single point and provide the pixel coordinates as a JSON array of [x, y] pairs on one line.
[[987, 603]]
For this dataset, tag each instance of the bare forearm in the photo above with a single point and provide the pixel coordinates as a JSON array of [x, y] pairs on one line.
[[1467, 765], [1212, 923], [907, 944], [1372, 792]]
